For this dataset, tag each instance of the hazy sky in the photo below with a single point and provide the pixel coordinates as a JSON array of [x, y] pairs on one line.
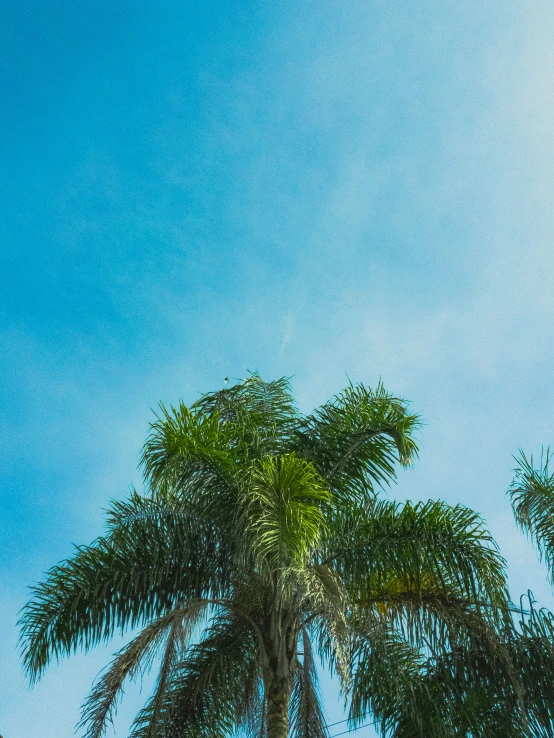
[[314, 188]]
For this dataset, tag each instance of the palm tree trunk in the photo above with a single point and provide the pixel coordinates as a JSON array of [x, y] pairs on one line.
[[278, 696]]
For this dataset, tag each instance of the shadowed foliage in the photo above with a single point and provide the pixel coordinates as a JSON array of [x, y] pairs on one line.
[[260, 546]]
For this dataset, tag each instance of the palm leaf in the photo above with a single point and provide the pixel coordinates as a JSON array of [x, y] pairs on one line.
[[306, 714], [326, 605], [356, 440], [137, 573], [135, 658], [386, 669], [212, 689], [261, 415], [416, 544], [532, 497], [283, 502], [195, 456]]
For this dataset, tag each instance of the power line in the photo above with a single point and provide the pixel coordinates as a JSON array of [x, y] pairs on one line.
[[364, 714], [352, 730]]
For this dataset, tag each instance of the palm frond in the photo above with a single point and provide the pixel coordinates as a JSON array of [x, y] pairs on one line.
[[356, 439], [306, 719], [532, 498], [283, 503], [196, 457], [464, 692], [532, 651], [139, 572], [167, 524], [136, 657], [418, 544], [252, 397], [213, 689], [386, 668], [261, 415], [326, 605]]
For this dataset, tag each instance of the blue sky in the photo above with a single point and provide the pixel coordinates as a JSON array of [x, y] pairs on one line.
[[310, 188]]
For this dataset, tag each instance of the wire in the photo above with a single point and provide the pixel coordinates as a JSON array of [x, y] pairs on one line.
[[364, 714], [353, 730]]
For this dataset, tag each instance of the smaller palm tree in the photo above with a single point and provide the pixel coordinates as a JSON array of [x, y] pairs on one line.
[[532, 498]]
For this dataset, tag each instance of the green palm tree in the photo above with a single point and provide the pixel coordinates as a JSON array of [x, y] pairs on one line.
[[260, 545], [532, 498]]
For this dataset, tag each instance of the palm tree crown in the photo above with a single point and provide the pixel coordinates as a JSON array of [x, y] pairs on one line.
[[261, 545]]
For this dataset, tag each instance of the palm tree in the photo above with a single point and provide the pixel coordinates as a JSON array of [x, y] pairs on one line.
[[532, 498], [260, 545]]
